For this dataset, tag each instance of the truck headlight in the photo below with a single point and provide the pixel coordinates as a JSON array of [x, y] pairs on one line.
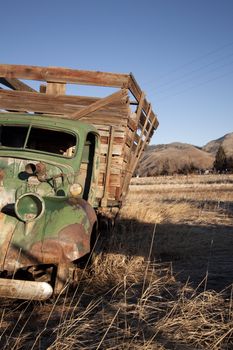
[[29, 207], [76, 190]]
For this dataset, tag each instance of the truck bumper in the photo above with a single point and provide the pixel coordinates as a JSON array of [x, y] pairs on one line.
[[31, 290]]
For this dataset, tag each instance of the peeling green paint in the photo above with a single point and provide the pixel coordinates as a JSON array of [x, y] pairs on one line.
[[60, 214]]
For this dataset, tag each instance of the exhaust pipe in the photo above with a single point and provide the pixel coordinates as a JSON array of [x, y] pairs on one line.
[[18, 289]]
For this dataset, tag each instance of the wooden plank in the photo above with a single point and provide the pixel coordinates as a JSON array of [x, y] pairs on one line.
[[108, 168], [64, 75], [134, 87], [56, 89], [117, 150], [136, 91], [16, 84], [145, 126], [104, 128], [105, 133], [112, 193], [121, 95], [43, 88], [137, 116], [132, 124], [151, 118], [132, 131], [142, 147], [59, 104], [116, 161], [135, 153], [104, 118]]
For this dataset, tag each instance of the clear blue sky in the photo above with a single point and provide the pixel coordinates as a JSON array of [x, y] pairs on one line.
[[180, 51]]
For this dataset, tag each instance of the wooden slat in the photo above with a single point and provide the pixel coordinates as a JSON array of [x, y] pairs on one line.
[[16, 84], [145, 126], [134, 87], [121, 95], [123, 134], [59, 104], [108, 168], [142, 148], [151, 118], [64, 75], [105, 133], [106, 128], [135, 154], [116, 121], [116, 150], [136, 91], [137, 116], [56, 89]]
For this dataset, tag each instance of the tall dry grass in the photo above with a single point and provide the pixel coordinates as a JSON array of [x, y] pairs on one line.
[[148, 285]]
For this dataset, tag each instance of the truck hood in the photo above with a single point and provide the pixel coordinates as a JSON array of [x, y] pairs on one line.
[[15, 180]]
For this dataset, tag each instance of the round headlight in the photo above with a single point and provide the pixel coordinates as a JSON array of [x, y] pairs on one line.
[[29, 206], [76, 190]]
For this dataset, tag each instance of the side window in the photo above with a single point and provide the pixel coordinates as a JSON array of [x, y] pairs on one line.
[[52, 141], [13, 136]]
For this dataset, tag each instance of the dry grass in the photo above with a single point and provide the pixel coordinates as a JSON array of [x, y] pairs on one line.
[[161, 280]]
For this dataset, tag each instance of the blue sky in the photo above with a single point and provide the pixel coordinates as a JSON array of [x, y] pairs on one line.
[[180, 51]]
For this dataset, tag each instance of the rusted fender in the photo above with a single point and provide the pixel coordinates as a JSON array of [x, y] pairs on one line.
[[30, 290], [61, 235]]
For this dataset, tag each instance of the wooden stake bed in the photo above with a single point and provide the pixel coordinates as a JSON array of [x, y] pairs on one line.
[[124, 119]]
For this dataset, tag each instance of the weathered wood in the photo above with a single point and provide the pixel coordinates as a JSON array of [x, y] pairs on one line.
[[16, 84], [109, 155], [121, 95], [64, 75], [136, 92], [134, 87], [136, 118], [116, 149], [142, 147], [59, 104], [123, 134], [56, 89], [143, 117], [43, 88]]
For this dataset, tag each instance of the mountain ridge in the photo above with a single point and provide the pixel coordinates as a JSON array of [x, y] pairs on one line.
[[178, 157]]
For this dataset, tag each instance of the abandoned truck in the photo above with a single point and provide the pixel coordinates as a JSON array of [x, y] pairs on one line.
[[65, 160]]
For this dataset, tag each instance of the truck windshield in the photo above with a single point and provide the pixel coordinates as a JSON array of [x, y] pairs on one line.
[[39, 139]]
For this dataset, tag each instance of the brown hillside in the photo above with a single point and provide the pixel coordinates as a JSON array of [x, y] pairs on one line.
[[174, 158], [226, 142]]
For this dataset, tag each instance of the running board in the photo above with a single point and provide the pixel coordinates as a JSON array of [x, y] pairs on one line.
[[18, 289]]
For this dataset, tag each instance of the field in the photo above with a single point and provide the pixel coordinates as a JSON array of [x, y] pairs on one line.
[[161, 280]]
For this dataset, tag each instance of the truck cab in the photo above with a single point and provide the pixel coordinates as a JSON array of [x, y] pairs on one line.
[[48, 172]]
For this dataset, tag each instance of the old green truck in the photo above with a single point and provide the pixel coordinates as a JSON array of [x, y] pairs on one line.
[[66, 161]]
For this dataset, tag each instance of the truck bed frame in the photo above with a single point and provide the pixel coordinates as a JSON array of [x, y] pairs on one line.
[[124, 119]]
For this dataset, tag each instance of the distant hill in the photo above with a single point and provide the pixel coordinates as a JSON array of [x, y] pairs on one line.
[[179, 157], [226, 142], [174, 158]]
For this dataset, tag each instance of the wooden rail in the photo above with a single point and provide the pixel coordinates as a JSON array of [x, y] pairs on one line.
[[124, 134]]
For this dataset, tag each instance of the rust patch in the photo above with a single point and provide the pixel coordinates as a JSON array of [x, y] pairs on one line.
[[6, 231], [71, 243], [48, 251], [16, 258], [75, 241]]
